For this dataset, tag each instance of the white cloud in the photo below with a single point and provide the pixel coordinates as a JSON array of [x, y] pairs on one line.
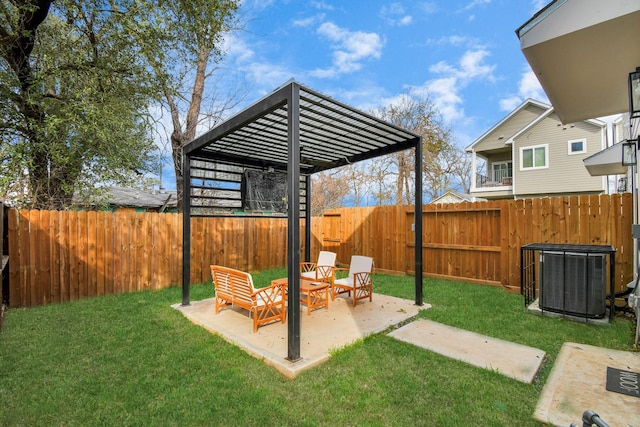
[[405, 20], [256, 4], [472, 65], [452, 41], [236, 48], [444, 91], [350, 49], [308, 22], [474, 4], [395, 14], [241, 57], [322, 5], [510, 103], [429, 7], [528, 87], [268, 75], [539, 4]]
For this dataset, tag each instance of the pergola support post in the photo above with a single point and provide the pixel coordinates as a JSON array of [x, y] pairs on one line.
[[418, 222], [186, 228], [293, 226]]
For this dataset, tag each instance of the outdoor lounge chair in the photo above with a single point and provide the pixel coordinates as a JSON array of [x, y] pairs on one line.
[[358, 281], [235, 287], [322, 271]]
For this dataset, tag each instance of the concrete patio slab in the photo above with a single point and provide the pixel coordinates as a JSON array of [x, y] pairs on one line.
[[578, 383], [514, 360], [321, 332]]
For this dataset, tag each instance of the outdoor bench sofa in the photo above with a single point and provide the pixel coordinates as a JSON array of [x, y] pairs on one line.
[[234, 287]]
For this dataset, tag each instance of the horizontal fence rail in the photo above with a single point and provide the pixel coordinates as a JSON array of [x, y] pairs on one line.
[[59, 256]]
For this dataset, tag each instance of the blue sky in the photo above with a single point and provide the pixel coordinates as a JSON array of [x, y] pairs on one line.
[[463, 54]]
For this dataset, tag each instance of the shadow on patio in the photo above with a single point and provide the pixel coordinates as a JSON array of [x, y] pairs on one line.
[[321, 332]]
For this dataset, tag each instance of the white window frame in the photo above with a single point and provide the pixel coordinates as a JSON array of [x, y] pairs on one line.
[[533, 148], [572, 141]]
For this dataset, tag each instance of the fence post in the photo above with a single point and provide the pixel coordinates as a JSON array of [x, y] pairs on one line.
[[4, 278]]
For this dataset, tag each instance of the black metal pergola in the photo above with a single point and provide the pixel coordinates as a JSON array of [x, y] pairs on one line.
[[297, 131]]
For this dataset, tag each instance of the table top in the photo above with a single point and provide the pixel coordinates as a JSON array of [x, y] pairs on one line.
[[305, 285], [310, 285]]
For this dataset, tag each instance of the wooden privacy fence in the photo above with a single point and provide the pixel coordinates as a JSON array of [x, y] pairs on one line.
[[65, 255], [480, 242], [62, 255]]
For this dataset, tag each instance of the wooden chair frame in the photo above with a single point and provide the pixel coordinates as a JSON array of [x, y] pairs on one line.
[[234, 287], [321, 271], [359, 283]]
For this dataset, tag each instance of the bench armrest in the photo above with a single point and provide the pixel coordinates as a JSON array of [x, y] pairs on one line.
[[272, 294]]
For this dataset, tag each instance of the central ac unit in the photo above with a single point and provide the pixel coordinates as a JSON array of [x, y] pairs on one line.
[[573, 283]]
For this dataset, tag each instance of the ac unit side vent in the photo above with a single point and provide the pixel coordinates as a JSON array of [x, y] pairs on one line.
[[573, 283]]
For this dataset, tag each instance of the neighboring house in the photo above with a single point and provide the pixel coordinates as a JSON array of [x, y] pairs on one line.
[[530, 153], [122, 199], [455, 197]]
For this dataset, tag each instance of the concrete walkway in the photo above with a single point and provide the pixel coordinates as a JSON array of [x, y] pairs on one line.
[[578, 383], [513, 360]]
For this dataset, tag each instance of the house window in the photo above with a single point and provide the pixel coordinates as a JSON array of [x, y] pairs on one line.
[[536, 157], [577, 146]]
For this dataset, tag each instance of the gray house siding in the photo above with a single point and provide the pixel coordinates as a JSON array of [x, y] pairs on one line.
[[564, 173]]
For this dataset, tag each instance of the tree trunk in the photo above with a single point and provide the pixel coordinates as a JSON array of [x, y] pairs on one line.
[[18, 50], [180, 138]]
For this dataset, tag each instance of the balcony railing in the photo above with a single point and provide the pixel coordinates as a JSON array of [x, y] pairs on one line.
[[500, 175], [499, 179]]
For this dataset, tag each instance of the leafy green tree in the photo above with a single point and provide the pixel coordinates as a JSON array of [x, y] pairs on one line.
[[184, 53], [80, 77], [76, 97]]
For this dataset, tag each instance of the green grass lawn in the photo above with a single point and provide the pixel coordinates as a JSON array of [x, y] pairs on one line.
[[131, 359]]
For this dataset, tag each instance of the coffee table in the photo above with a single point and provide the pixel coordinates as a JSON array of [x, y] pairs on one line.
[[313, 294]]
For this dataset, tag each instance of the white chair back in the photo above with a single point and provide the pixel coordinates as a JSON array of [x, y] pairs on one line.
[[326, 258], [360, 264]]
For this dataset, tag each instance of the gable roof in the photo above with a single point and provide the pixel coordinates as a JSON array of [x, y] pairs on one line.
[[463, 197], [138, 198], [546, 112], [521, 107]]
